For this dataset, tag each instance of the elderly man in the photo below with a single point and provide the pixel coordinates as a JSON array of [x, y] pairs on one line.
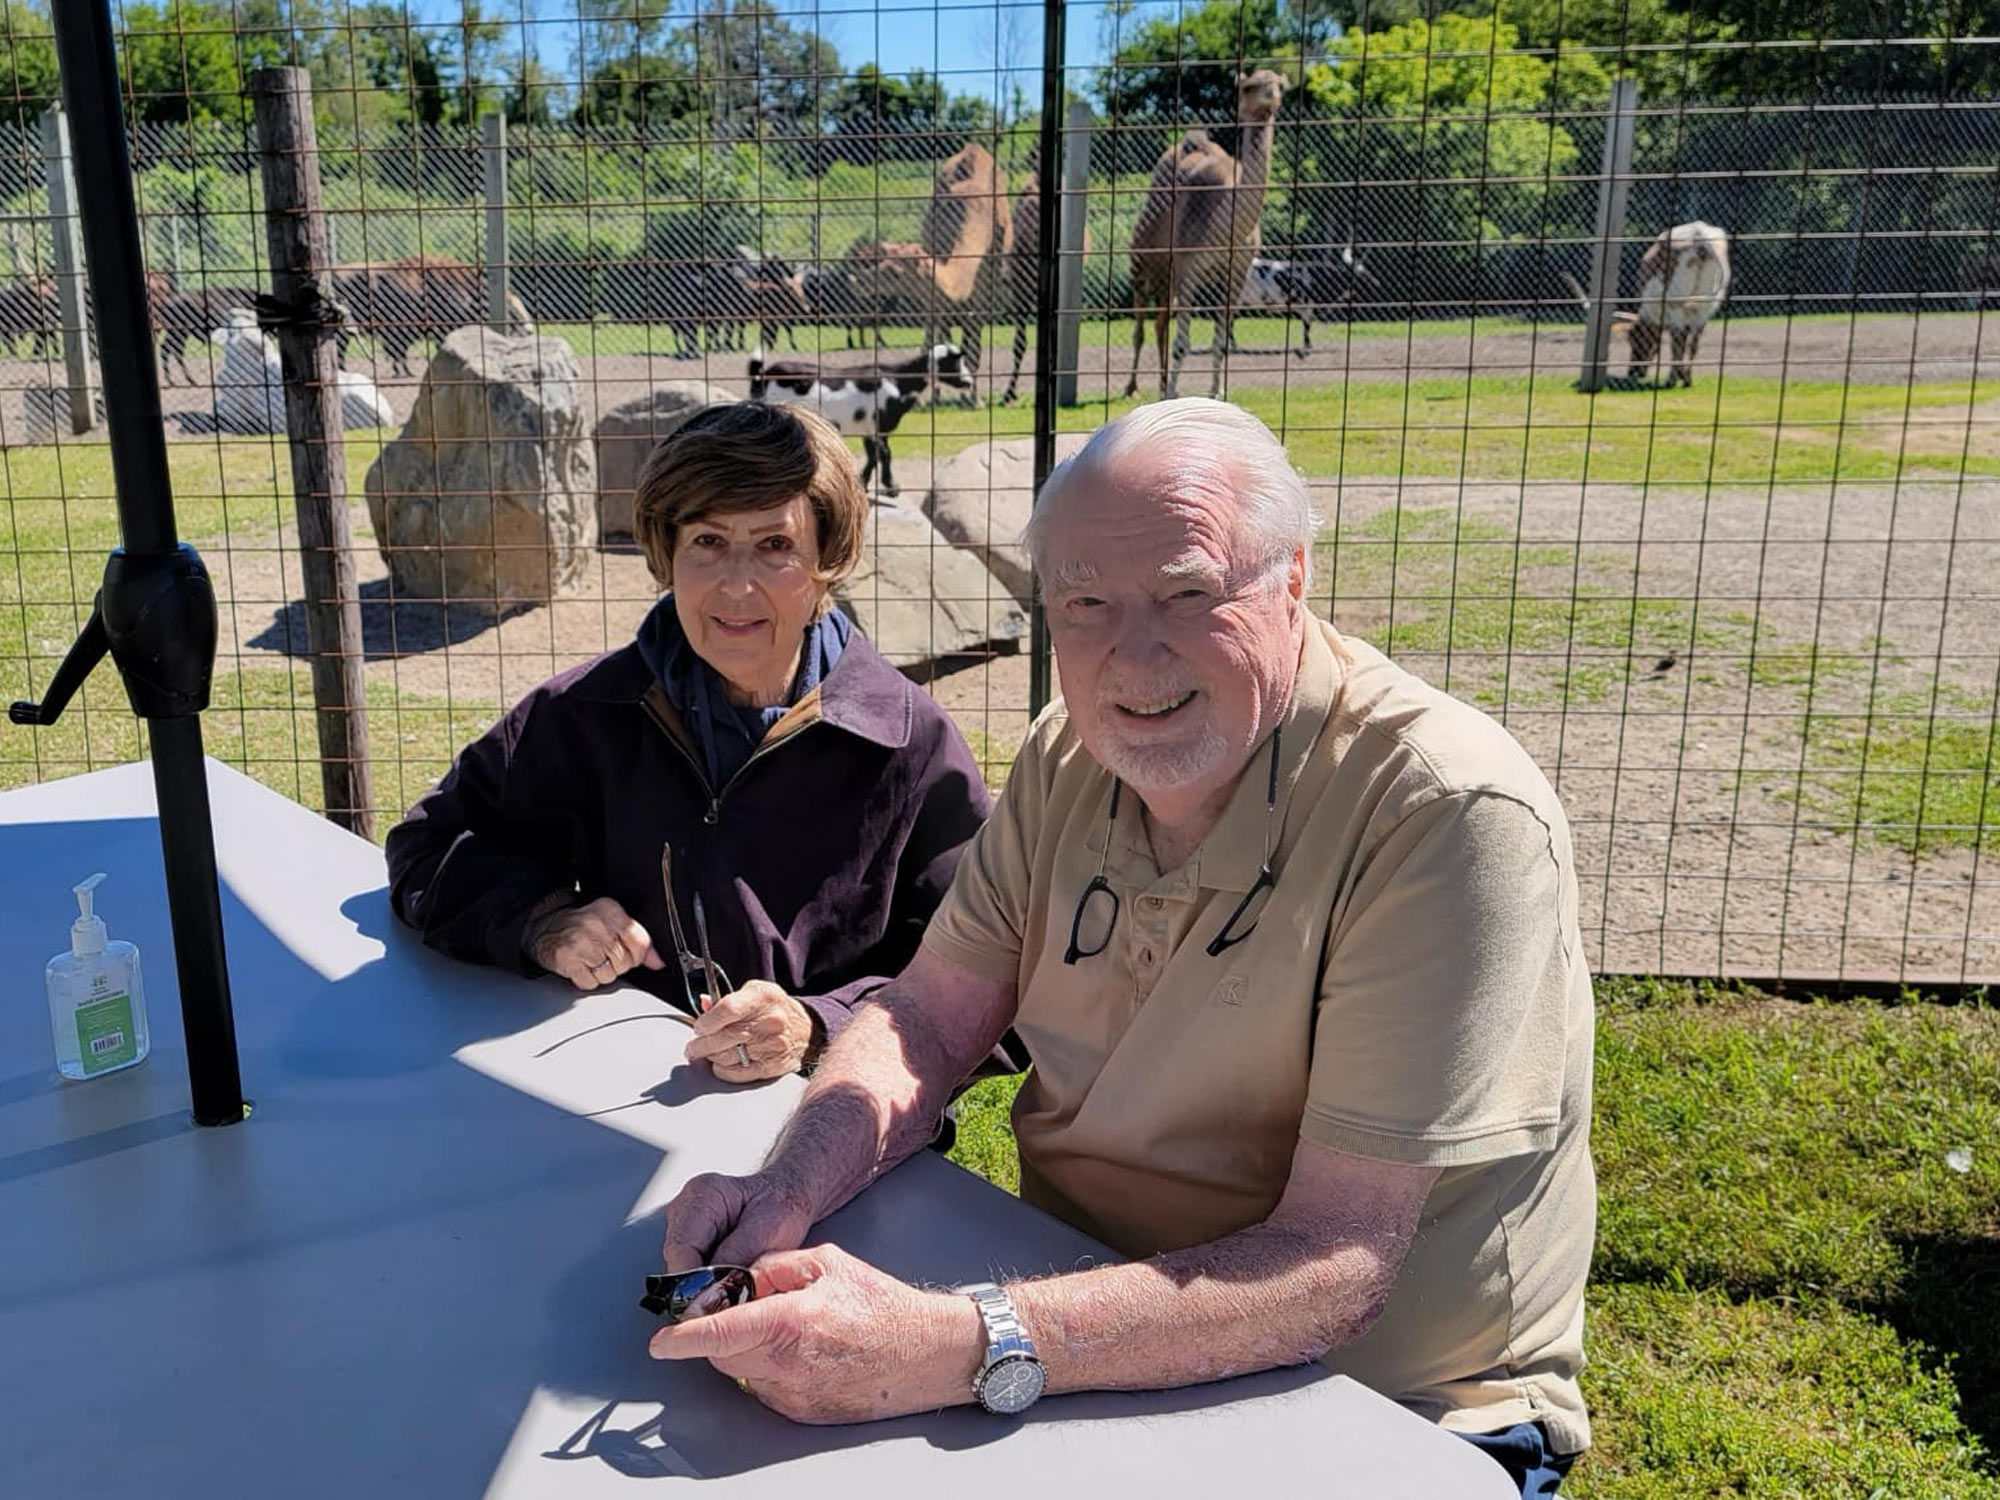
[[1292, 940]]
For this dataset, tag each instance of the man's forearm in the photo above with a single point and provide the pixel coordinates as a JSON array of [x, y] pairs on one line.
[[873, 1101], [1257, 1299]]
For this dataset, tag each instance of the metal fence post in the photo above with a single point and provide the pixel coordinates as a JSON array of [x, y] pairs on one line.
[[1605, 254], [1055, 18], [308, 350], [493, 137], [1069, 273], [67, 232]]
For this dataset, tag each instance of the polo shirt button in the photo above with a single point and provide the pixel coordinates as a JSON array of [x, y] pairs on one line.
[[1151, 903]]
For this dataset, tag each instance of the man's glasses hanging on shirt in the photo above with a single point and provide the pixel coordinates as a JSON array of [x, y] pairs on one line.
[[1098, 907]]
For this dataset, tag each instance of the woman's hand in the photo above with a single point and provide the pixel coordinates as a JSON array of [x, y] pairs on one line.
[[591, 945], [773, 1031]]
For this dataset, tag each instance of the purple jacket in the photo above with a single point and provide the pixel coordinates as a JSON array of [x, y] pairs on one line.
[[819, 864]]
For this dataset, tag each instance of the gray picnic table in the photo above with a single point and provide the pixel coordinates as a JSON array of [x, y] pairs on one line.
[[415, 1269]]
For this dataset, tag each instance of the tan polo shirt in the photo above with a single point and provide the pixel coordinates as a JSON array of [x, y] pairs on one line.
[[1414, 991]]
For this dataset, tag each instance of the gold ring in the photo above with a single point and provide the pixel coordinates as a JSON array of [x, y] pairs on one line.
[[743, 1385]]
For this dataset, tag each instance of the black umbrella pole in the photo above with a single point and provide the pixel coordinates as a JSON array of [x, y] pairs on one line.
[[194, 902], [156, 612]]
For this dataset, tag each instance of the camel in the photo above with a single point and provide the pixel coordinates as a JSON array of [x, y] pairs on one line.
[[1198, 232], [1024, 272], [969, 236]]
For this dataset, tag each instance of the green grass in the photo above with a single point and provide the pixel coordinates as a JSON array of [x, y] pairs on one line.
[[260, 720], [1750, 430], [1794, 1294], [1922, 771]]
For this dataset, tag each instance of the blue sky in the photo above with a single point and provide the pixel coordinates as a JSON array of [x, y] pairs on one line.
[[982, 46]]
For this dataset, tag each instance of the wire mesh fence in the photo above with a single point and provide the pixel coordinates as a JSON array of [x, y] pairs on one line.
[[1745, 621]]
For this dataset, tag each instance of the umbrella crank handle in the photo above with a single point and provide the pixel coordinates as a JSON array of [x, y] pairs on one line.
[[85, 653]]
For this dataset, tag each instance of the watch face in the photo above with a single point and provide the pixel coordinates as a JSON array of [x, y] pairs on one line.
[[1012, 1385]]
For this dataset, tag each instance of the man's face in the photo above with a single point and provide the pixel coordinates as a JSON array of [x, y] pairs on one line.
[[1176, 646]]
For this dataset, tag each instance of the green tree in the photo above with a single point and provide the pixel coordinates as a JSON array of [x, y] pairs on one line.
[[180, 62], [29, 82], [757, 72], [531, 95], [1457, 111], [873, 115], [1937, 66], [645, 89], [474, 65], [1183, 68]]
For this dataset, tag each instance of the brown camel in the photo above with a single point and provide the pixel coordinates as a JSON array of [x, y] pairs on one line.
[[1024, 272], [968, 234], [1198, 232]]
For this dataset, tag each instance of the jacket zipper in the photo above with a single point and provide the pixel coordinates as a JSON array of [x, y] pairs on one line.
[[714, 813]]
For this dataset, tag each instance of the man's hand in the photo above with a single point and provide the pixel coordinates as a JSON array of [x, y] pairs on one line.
[[829, 1338], [590, 945], [774, 1031], [731, 1221]]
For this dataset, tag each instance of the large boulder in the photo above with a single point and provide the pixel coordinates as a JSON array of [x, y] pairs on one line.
[[489, 498], [918, 598], [982, 498], [626, 436]]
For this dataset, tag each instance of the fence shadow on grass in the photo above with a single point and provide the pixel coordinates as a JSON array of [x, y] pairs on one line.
[[1948, 1301]]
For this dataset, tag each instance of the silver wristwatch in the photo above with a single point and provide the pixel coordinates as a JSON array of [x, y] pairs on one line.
[[1010, 1379]]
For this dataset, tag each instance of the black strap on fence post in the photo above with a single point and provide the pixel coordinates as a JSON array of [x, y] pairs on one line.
[[1046, 312], [156, 611]]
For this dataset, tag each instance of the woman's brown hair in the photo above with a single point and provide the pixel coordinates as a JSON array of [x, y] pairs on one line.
[[745, 455]]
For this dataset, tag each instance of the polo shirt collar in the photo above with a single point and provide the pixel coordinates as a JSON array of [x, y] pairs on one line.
[[1229, 858]]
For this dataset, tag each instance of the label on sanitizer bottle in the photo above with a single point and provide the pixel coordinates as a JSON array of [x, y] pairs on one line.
[[104, 1032]]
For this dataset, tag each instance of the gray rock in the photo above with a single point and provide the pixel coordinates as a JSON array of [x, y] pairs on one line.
[[982, 498], [917, 598], [627, 434], [488, 499]]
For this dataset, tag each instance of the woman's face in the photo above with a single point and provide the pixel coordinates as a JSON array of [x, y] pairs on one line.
[[746, 586]]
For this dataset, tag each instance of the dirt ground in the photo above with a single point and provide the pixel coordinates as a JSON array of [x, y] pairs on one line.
[[1890, 349], [1884, 349]]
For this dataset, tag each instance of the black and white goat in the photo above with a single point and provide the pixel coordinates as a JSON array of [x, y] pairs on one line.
[[865, 401], [1325, 289]]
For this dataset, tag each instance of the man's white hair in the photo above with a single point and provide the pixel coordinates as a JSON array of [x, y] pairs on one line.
[[1193, 447]]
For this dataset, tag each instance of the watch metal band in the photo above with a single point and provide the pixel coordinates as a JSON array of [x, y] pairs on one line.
[[1004, 1333]]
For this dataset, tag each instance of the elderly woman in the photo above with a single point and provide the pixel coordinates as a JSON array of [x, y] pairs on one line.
[[748, 766]]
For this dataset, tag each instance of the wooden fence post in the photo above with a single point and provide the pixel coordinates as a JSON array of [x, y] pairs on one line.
[[67, 231], [308, 349]]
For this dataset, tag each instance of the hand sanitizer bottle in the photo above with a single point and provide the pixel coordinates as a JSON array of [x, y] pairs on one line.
[[97, 1008]]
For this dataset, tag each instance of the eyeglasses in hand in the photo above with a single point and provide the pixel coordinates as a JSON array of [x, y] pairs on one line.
[[678, 1296], [700, 975]]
